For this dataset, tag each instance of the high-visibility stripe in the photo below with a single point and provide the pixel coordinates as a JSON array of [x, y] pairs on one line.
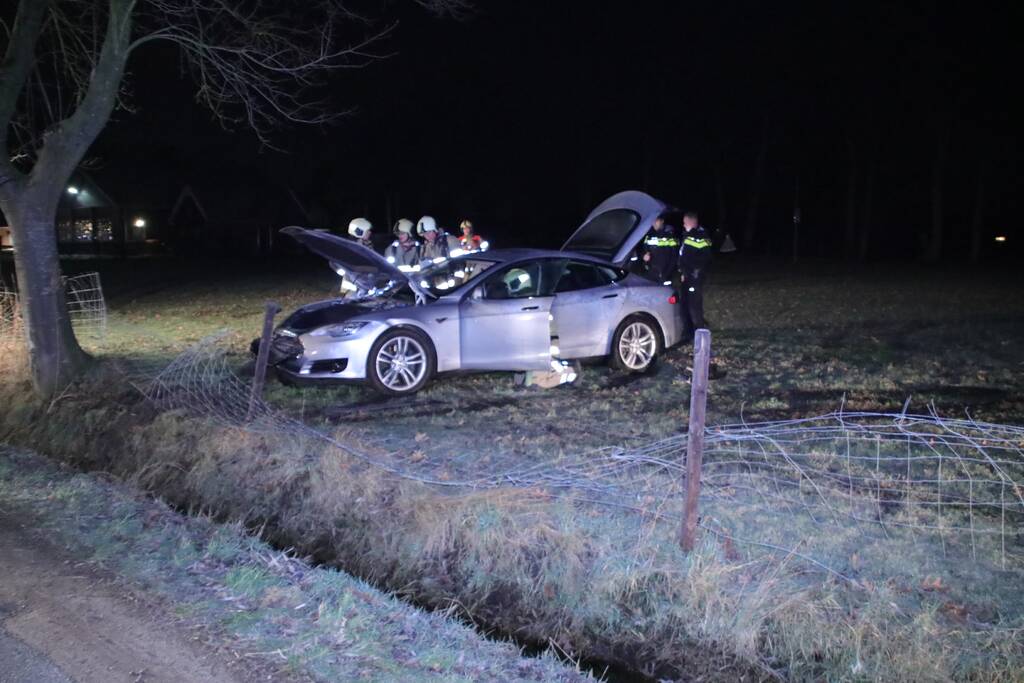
[[662, 242], [696, 243]]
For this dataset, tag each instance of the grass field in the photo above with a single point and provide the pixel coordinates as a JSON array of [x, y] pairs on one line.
[[788, 343]]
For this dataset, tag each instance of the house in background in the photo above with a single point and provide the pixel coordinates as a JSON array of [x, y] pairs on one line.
[[242, 217], [90, 221]]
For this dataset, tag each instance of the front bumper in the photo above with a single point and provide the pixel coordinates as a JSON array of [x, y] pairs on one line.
[[316, 358]]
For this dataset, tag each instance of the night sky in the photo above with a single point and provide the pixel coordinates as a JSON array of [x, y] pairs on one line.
[[525, 115]]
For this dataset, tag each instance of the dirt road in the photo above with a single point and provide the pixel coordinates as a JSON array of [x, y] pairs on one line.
[[61, 621]]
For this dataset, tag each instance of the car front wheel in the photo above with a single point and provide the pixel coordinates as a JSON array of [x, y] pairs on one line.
[[401, 362], [635, 345]]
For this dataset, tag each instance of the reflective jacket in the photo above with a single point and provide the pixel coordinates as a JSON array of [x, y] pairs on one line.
[[695, 253], [402, 256], [663, 248], [441, 247]]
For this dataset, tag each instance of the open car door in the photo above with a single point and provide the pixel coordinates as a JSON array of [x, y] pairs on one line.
[[505, 321], [614, 229], [366, 269]]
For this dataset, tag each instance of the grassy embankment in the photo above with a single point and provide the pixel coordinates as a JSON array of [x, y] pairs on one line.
[[548, 569]]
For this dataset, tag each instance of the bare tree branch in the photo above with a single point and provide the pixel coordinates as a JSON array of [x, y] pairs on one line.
[[15, 70]]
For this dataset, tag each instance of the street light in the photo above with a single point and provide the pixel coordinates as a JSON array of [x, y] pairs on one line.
[[139, 222], [72, 189], [1000, 238]]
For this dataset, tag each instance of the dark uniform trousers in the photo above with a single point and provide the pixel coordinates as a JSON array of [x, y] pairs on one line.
[[694, 260]]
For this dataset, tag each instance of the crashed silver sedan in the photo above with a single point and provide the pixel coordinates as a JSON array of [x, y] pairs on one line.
[[500, 310]]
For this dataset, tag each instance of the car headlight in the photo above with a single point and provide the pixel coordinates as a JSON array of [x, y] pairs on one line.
[[342, 330]]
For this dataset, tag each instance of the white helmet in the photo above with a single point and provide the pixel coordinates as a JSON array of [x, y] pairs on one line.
[[359, 228], [517, 279], [403, 225], [426, 224]]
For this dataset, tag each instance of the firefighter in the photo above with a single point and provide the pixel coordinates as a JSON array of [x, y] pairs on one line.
[[694, 261], [661, 253], [437, 244], [361, 231], [404, 252], [470, 241]]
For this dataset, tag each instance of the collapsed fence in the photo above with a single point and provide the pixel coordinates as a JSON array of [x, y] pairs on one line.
[[820, 489]]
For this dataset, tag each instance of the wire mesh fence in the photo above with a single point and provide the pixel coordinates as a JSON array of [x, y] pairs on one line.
[[86, 305], [823, 489]]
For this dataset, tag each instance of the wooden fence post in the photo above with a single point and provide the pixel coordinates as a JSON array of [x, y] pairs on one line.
[[262, 356], [695, 436]]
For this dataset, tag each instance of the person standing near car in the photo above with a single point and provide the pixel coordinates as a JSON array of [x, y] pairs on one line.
[[437, 244], [404, 252], [470, 241], [361, 231], [694, 261], [661, 253]]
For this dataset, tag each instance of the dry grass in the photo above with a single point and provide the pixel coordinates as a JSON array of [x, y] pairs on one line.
[[555, 570], [297, 621]]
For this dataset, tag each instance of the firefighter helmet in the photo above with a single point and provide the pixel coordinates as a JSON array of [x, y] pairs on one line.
[[518, 281], [359, 228], [403, 225], [426, 224]]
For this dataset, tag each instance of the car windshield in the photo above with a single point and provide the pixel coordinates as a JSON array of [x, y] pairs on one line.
[[451, 275], [604, 235]]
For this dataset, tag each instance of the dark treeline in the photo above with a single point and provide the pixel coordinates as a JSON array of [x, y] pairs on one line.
[[890, 127]]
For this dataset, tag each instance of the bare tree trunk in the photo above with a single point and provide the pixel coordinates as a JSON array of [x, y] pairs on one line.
[[934, 244], [978, 218], [797, 218], [54, 353], [754, 199], [852, 195], [866, 215], [723, 205]]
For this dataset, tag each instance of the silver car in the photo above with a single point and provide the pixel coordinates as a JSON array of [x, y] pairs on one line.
[[510, 309]]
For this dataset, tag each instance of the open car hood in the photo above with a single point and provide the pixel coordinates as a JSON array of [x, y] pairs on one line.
[[370, 272], [614, 229]]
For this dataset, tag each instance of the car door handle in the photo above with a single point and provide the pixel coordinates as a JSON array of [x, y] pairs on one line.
[[609, 296], [531, 308]]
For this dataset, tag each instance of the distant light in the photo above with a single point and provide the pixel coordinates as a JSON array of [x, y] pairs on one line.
[[339, 271], [72, 190], [485, 245], [1000, 238], [139, 222]]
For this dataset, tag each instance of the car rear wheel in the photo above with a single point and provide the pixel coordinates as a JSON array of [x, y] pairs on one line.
[[636, 344], [401, 362]]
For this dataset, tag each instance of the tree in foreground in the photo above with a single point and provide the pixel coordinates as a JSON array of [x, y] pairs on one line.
[[258, 63]]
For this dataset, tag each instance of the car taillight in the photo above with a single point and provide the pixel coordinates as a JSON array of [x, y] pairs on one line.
[[672, 299]]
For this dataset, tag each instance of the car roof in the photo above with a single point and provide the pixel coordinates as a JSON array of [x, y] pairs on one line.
[[522, 254]]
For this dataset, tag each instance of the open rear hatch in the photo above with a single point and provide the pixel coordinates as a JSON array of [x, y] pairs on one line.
[[614, 229]]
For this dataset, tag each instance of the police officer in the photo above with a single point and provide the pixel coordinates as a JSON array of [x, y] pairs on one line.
[[437, 244], [694, 261], [404, 252], [661, 253]]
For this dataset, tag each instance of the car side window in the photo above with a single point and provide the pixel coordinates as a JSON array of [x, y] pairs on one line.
[[579, 276], [523, 280]]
